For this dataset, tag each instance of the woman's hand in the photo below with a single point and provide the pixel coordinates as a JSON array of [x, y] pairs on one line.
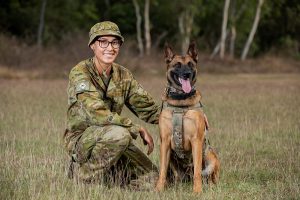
[[147, 139]]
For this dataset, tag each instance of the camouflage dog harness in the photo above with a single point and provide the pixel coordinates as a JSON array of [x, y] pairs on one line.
[[177, 124]]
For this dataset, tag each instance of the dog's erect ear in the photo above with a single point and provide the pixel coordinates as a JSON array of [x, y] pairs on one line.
[[192, 51], [169, 55]]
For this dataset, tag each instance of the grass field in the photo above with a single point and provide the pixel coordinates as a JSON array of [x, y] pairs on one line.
[[255, 122]]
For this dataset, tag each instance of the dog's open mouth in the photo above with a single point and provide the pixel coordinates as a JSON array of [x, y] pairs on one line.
[[185, 85], [183, 81]]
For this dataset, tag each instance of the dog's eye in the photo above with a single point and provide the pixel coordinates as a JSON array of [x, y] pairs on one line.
[[190, 64], [177, 65]]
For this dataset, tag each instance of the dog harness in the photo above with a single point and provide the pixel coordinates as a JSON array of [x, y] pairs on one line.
[[177, 124]]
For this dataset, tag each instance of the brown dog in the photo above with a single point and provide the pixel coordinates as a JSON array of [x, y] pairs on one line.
[[182, 126]]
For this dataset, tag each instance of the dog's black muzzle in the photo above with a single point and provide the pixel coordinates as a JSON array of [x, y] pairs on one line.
[[183, 72]]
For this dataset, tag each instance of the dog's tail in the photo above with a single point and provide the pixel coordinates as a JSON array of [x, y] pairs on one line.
[[209, 169], [212, 167], [211, 163]]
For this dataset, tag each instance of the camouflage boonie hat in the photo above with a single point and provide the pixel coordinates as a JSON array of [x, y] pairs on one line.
[[104, 28]]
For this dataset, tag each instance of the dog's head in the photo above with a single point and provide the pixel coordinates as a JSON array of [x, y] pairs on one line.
[[182, 69]]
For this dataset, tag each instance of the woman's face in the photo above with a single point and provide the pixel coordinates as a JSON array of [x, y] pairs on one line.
[[106, 49]]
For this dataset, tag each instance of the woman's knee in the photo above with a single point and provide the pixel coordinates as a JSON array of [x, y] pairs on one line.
[[108, 134], [99, 137], [118, 134]]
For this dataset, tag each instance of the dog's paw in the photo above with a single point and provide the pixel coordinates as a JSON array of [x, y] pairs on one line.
[[159, 187], [197, 188]]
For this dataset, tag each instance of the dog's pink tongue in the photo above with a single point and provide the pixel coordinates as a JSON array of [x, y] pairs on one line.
[[186, 85]]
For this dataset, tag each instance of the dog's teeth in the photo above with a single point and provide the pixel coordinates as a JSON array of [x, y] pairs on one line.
[[180, 80]]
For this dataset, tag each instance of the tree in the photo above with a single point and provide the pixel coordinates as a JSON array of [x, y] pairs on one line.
[[189, 11], [147, 27], [138, 27], [178, 21], [224, 27], [253, 30], [234, 17], [41, 24], [185, 24], [232, 29], [217, 47]]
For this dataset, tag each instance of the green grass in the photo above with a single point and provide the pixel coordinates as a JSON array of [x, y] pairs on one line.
[[255, 126]]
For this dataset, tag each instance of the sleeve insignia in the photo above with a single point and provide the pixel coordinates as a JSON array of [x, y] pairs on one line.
[[82, 86]]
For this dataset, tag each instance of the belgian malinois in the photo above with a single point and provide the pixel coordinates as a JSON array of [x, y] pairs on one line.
[[182, 125]]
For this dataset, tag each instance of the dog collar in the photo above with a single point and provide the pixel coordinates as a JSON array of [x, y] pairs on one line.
[[178, 94]]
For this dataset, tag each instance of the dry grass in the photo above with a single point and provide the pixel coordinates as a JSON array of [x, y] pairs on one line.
[[255, 127]]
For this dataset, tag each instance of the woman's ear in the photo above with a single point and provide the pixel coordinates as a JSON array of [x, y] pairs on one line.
[[92, 46]]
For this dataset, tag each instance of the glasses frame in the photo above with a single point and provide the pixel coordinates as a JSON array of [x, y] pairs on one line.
[[112, 43]]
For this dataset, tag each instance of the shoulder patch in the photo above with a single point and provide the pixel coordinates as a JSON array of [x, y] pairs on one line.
[[82, 86]]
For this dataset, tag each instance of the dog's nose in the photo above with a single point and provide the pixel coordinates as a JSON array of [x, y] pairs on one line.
[[187, 75]]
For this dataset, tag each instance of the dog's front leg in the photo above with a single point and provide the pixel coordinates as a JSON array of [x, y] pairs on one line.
[[197, 161], [164, 162]]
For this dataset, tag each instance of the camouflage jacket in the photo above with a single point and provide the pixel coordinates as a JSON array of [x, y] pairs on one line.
[[92, 103]]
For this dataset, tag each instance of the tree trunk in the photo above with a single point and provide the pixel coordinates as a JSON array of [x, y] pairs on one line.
[[253, 30], [232, 40], [147, 27], [159, 38], [232, 28], [217, 47], [138, 28], [185, 23], [41, 24], [224, 27], [234, 17]]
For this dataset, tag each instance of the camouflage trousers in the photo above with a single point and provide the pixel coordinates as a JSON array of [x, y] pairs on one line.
[[107, 155]]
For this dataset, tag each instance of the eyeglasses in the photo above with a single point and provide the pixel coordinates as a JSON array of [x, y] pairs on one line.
[[104, 43]]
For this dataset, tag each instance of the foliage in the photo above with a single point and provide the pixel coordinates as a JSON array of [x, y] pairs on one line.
[[279, 22]]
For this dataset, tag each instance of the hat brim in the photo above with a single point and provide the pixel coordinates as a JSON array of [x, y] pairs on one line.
[[104, 33]]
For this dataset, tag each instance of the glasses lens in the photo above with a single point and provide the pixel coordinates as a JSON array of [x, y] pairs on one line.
[[115, 43], [103, 43]]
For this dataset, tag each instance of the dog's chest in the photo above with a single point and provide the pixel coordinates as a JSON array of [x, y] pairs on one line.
[[181, 128]]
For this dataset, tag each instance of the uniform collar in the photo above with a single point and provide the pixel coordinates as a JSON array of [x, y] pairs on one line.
[[105, 73], [115, 77]]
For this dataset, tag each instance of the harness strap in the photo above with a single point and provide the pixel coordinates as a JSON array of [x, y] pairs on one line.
[[177, 121], [166, 105]]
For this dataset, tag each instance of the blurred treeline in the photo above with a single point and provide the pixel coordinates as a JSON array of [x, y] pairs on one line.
[[46, 23]]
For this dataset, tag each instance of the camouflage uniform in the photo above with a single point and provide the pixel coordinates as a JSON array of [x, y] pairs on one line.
[[97, 137]]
